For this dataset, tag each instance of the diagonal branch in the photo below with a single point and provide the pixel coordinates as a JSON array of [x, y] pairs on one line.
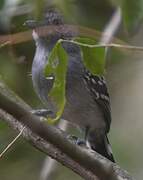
[[54, 142], [45, 147]]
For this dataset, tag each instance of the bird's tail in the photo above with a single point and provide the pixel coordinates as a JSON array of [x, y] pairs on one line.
[[103, 147]]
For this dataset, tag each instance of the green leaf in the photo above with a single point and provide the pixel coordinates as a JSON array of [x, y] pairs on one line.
[[51, 62], [132, 13], [85, 41], [57, 65], [93, 57]]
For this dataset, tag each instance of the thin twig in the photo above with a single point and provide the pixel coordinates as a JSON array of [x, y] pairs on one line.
[[112, 45], [129, 47], [12, 142]]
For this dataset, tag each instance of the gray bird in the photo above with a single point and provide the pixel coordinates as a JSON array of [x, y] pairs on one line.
[[87, 98]]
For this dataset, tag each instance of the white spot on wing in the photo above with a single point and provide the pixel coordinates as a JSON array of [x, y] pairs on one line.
[[100, 83], [50, 77], [104, 97], [93, 81]]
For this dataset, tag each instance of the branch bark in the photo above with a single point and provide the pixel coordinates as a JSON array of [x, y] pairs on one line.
[[44, 146], [51, 165], [52, 141]]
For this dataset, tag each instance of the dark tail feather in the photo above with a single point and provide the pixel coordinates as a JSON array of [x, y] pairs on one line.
[[103, 147]]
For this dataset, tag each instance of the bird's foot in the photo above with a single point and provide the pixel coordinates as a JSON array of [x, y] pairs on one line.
[[42, 112], [77, 140]]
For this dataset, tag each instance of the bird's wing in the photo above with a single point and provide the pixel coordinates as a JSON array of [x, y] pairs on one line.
[[98, 90]]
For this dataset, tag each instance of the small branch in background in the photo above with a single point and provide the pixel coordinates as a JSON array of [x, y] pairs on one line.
[[25, 36], [49, 168], [12, 143], [111, 27]]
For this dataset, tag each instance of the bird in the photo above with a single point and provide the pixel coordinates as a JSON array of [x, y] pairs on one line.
[[87, 98]]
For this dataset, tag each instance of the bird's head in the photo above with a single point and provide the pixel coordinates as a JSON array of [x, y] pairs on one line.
[[52, 18]]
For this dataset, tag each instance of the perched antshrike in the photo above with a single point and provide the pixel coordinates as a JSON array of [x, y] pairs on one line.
[[87, 98]]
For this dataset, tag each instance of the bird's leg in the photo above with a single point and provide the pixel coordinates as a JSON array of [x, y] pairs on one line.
[[42, 112], [83, 142], [78, 141]]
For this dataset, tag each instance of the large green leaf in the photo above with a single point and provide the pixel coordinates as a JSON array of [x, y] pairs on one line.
[[93, 57], [86, 41], [57, 65]]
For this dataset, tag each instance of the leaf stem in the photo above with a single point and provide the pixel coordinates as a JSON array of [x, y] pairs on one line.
[[112, 45]]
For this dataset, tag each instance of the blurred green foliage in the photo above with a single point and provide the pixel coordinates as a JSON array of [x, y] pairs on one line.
[[132, 13]]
